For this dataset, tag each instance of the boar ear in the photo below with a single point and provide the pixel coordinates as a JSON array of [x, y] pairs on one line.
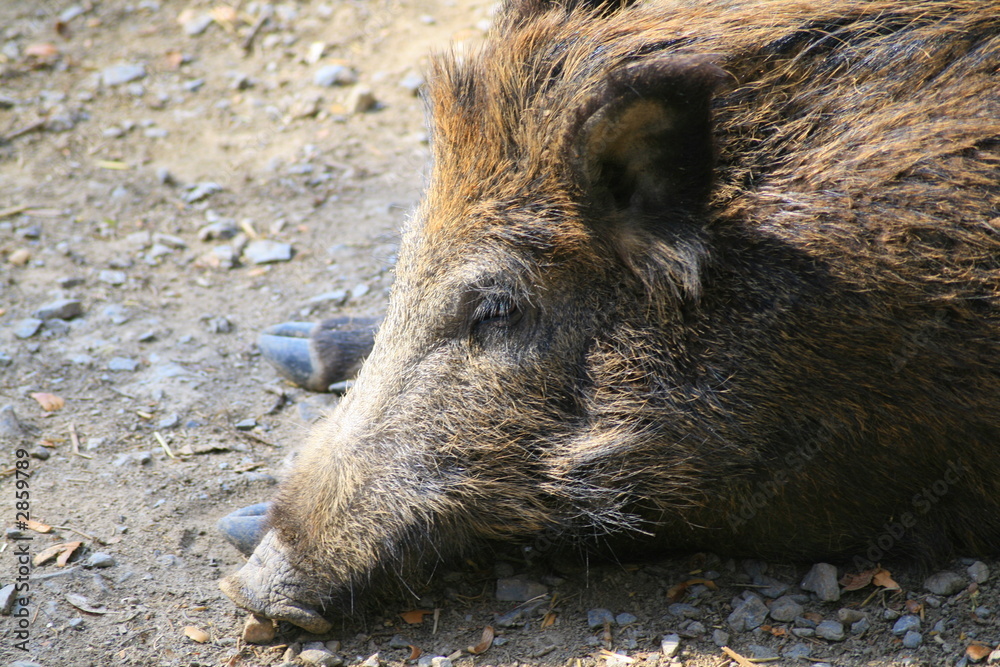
[[643, 143]]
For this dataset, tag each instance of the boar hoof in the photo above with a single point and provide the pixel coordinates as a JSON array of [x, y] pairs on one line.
[[268, 586], [245, 527], [314, 356]]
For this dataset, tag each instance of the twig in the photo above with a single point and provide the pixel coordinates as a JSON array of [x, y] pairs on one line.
[[76, 443], [13, 210], [163, 443], [740, 660], [258, 24], [255, 438], [26, 129], [81, 533]]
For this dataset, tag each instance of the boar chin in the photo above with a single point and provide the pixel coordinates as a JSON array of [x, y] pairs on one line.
[[269, 585]]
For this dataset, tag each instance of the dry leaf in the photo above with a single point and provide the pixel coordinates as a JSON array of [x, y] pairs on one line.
[[174, 59], [977, 651], [854, 582], [484, 643], [914, 607], [677, 591], [415, 616], [617, 657], [415, 652], [549, 619], [883, 578], [775, 631], [83, 604], [38, 526], [196, 634], [49, 402], [56, 550]]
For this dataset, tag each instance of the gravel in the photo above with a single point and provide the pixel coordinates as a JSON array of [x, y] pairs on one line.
[[117, 75], [748, 614], [266, 251], [785, 609], [912, 639], [63, 309], [831, 630], [822, 580], [945, 583], [906, 624], [596, 618], [670, 645]]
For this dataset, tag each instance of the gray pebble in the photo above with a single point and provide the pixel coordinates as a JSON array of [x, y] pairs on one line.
[[40, 453], [28, 327], [63, 309], [983, 612], [246, 424], [944, 583], [625, 618], [848, 616], [169, 421], [200, 191], [860, 627], [669, 645], [221, 230], [334, 75], [163, 176], [193, 85], [693, 629], [336, 297], [785, 609], [24, 663], [70, 282], [797, 651], [684, 610], [890, 614], [99, 559], [758, 652], [126, 364], [322, 657], [266, 251], [117, 75], [112, 277], [912, 639], [905, 624], [219, 324], [197, 24], [720, 638], [7, 597], [804, 633], [596, 618], [769, 586], [979, 572], [822, 580], [399, 641], [436, 661], [11, 428], [359, 290], [831, 630], [412, 82], [361, 99], [747, 615], [5, 359]]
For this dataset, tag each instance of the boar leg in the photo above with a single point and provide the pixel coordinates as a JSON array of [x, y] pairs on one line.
[[314, 356]]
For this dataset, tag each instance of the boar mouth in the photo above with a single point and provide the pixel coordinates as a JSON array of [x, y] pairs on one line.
[[268, 585]]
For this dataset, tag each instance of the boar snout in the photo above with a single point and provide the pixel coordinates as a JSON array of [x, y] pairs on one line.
[[270, 586]]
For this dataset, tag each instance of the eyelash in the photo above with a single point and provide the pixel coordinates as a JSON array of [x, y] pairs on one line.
[[497, 311]]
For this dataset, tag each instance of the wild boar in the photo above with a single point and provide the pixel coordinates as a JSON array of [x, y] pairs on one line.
[[719, 276]]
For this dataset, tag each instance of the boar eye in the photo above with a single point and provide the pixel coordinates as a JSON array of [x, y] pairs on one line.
[[499, 312]]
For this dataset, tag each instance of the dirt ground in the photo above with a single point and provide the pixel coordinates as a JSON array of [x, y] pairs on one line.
[[121, 188]]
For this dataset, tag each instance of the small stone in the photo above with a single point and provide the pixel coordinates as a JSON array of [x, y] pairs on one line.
[[334, 75], [168, 422], [200, 191], [441, 661], [720, 638], [11, 428], [669, 645], [797, 651], [266, 251], [747, 615], [769, 586], [19, 257], [246, 424], [197, 24], [7, 597], [625, 618], [40, 453], [848, 616], [822, 580], [983, 612], [336, 297], [359, 290], [518, 589], [221, 230], [169, 240], [412, 82], [596, 618], [758, 652], [905, 624], [219, 324], [117, 75], [831, 630], [860, 627], [944, 583], [70, 282], [258, 630], [693, 629], [684, 610], [398, 641], [112, 277], [123, 364], [63, 309], [164, 177], [27, 328], [99, 560], [804, 633], [313, 56], [361, 99], [979, 572], [912, 639], [785, 609]]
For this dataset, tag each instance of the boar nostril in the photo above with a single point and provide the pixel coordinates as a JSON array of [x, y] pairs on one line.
[[245, 527]]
